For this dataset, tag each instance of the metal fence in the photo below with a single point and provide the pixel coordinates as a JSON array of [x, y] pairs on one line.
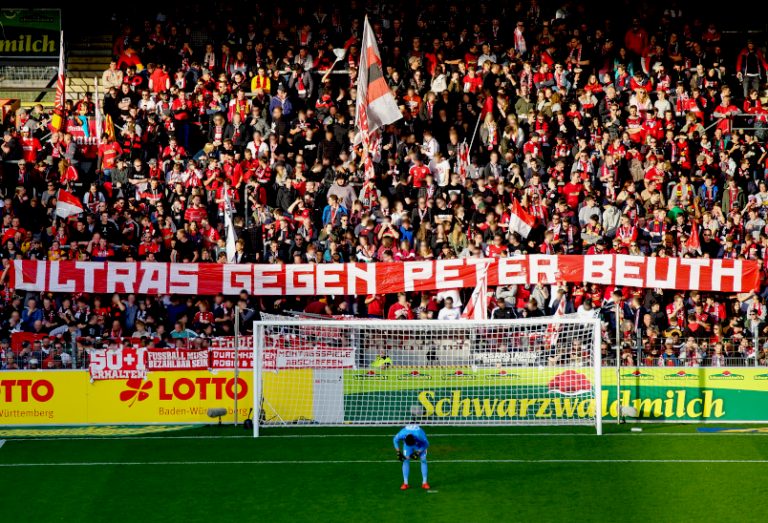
[[20, 73]]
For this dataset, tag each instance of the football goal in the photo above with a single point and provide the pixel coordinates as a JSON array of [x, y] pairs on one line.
[[542, 371]]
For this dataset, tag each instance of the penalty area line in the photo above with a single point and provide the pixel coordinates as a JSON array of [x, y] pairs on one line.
[[448, 461]]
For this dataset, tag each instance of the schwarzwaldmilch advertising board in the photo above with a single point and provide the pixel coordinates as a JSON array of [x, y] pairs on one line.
[[30, 33]]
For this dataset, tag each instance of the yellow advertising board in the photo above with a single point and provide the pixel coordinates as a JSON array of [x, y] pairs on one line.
[[169, 397], [69, 397], [43, 398], [56, 398]]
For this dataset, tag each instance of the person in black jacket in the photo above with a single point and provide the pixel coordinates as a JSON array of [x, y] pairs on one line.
[[286, 194], [237, 131], [502, 312]]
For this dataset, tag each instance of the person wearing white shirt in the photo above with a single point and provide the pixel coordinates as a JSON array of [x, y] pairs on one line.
[[431, 147], [448, 312], [586, 311], [440, 169], [486, 56], [450, 294], [257, 146]]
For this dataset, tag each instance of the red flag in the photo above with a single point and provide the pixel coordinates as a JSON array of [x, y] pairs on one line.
[[477, 307], [519, 220], [553, 329], [463, 160], [67, 205], [693, 242], [376, 107]]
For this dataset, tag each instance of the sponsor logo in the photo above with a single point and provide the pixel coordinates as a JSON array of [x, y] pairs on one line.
[[184, 389], [136, 391], [503, 375], [415, 375], [761, 377], [637, 375], [36, 19], [726, 375], [370, 375], [682, 375], [26, 390], [458, 375], [570, 383]]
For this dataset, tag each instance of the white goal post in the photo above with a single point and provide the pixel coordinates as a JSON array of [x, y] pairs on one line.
[[539, 371]]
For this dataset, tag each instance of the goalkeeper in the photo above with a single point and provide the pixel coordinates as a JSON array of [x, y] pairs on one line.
[[415, 446]]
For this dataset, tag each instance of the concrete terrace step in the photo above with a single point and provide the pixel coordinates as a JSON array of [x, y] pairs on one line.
[[88, 67]]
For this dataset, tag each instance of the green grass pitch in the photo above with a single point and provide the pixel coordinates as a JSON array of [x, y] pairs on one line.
[[666, 473]]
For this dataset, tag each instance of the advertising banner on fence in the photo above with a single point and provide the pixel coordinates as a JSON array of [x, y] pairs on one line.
[[120, 364], [223, 353], [381, 278], [315, 358], [177, 359], [30, 33], [659, 394]]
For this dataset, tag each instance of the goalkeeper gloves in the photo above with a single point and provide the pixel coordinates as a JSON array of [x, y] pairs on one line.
[[400, 455]]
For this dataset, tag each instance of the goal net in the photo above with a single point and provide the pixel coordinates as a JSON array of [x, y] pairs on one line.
[[543, 371]]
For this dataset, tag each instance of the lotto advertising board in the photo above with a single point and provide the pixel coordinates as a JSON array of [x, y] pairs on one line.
[[69, 397]]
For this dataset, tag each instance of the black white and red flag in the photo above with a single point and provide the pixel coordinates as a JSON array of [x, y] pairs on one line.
[[376, 107]]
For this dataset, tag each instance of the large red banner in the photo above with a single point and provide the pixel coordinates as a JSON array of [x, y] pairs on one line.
[[382, 278]]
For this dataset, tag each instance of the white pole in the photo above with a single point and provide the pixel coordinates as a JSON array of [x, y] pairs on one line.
[[237, 347], [618, 365], [472, 141], [598, 366], [258, 335]]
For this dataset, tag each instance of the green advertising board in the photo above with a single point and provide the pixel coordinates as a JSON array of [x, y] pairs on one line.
[[548, 394], [30, 33]]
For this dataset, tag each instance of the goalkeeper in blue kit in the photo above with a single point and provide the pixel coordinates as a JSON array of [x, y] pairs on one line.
[[415, 446]]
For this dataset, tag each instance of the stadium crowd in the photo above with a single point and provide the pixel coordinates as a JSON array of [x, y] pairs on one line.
[[618, 136]]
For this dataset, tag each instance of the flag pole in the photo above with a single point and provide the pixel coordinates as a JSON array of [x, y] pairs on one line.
[[99, 123], [57, 121], [474, 133]]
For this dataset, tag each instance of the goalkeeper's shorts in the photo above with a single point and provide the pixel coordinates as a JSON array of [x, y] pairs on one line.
[[408, 452]]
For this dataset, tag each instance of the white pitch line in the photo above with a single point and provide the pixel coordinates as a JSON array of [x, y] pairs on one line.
[[630, 434], [520, 461]]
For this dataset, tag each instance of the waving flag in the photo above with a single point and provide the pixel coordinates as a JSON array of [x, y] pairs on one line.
[[67, 205], [553, 329], [693, 242], [109, 127], [375, 107], [520, 221], [477, 306], [463, 160], [99, 121], [57, 122], [231, 248]]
